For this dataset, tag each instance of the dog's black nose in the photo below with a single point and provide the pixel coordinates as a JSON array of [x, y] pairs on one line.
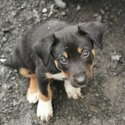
[[80, 78]]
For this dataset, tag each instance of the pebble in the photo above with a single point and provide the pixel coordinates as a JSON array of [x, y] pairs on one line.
[[44, 10], [97, 95], [60, 4], [63, 13], [13, 13], [95, 121], [45, 14], [107, 8], [20, 25], [123, 117], [6, 30], [13, 78], [4, 86], [124, 86], [89, 115], [36, 14], [116, 57], [15, 102], [102, 11], [4, 39], [23, 5], [2, 60], [94, 108], [78, 8], [97, 17]]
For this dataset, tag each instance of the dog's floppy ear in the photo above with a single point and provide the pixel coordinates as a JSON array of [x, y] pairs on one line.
[[43, 48], [94, 30]]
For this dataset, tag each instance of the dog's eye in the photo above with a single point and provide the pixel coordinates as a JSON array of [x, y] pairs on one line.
[[63, 60], [85, 53]]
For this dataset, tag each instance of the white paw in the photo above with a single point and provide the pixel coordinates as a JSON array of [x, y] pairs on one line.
[[44, 110], [71, 91], [32, 97]]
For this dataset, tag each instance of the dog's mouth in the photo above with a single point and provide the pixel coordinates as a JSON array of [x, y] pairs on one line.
[[79, 84]]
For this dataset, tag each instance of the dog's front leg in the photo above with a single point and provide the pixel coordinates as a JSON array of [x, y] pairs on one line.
[[44, 107]]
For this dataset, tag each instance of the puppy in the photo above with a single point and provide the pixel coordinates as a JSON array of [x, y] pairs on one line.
[[56, 50]]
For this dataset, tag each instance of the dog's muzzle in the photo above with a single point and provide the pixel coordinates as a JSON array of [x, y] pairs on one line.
[[79, 80]]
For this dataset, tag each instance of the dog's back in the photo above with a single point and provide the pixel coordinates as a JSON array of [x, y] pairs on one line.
[[23, 55]]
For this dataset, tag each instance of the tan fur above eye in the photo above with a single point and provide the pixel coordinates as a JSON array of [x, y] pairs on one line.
[[93, 51], [79, 50], [65, 54], [89, 70]]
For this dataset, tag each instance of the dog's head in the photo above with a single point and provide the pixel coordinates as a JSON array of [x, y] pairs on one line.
[[72, 49]]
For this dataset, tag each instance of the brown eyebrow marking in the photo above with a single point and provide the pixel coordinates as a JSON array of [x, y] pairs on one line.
[[56, 64], [65, 54], [93, 51], [89, 69], [79, 50]]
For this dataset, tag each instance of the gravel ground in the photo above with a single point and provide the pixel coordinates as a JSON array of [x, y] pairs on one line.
[[104, 102]]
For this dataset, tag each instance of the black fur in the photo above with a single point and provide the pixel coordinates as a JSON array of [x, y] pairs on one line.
[[45, 43]]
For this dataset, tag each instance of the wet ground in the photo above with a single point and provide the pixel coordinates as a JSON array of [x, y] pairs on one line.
[[104, 102]]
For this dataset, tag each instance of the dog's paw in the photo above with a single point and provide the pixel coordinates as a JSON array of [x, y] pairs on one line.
[[32, 97], [44, 110], [74, 93], [71, 91]]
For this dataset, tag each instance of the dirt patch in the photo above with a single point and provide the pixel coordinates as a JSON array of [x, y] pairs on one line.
[[104, 102]]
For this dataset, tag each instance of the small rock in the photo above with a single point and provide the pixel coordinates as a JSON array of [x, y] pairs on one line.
[[60, 4], [13, 78], [98, 17], [6, 30], [97, 95], [44, 10], [20, 25], [4, 39], [63, 13], [2, 60], [4, 86], [123, 117], [55, 15], [15, 102], [119, 12], [10, 72], [124, 86], [78, 8], [116, 57], [23, 5], [36, 14], [95, 15], [107, 8], [45, 14], [89, 115], [95, 121], [14, 13], [102, 11], [44, 18], [94, 109]]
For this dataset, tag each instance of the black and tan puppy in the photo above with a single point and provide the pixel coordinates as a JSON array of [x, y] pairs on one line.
[[56, 50]]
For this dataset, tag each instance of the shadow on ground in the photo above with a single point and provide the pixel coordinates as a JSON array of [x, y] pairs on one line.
[[104, 102]]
